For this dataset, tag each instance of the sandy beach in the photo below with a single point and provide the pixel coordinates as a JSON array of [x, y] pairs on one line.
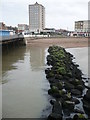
[[64, 42]]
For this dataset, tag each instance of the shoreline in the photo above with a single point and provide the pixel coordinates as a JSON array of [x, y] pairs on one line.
[[63, 42]]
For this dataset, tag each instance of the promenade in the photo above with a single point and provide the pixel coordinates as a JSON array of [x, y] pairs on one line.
[[5, 40]]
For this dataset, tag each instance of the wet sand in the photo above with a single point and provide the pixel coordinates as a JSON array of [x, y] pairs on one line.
[[64, 42]]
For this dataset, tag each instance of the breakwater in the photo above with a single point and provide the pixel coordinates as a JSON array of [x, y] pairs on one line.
[[66, 85]]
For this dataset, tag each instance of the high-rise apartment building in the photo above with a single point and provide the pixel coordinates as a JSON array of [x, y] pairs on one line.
[[36, 17]]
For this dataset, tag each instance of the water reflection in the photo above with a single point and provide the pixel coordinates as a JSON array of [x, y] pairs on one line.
[[9, 58], [0, 64], [0, 82], [37, 57], [23, 88], [12, 56]]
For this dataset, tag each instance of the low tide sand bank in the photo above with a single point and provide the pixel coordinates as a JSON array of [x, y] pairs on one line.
[[64, 42]]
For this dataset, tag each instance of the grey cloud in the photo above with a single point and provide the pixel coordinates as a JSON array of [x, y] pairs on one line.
[[59, 13]]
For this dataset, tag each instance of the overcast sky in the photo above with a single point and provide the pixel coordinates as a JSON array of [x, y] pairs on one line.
[[59, 13]]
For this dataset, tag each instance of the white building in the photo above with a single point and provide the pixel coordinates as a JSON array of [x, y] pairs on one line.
[[36, 17]]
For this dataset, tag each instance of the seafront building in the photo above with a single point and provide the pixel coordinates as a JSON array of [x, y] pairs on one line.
[[2, 26], [7, 30], [82, 27], [23, 27], [36, 17]]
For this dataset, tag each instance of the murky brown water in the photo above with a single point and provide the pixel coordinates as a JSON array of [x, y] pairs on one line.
[[82, 59], [24, 83]]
